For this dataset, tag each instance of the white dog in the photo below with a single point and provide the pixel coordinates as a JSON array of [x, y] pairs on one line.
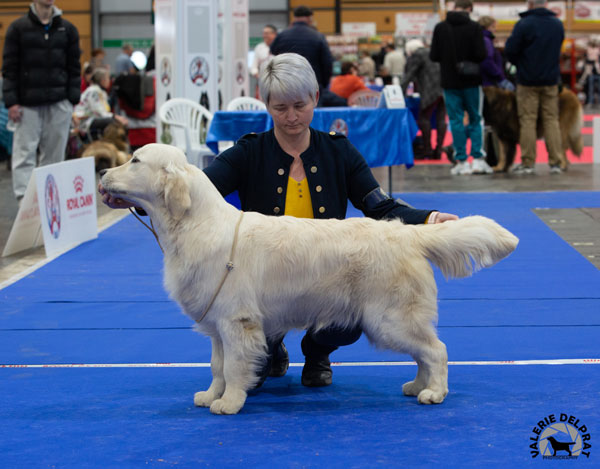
[[298, 273]]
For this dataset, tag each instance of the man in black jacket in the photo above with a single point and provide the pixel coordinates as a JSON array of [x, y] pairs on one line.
[[459, 39], [303, 39], [42, 78], [534, 47]]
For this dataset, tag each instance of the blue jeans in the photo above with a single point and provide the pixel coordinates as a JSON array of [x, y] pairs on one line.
[[457, 102]]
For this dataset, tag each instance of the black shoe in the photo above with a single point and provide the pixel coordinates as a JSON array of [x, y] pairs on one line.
[[280, 362], [317, 367]]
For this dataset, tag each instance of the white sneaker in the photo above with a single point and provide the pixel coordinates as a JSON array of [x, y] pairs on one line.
[[461, 168], [480, 166]]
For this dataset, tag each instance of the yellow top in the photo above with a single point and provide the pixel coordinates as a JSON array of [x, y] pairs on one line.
[[297, 199]]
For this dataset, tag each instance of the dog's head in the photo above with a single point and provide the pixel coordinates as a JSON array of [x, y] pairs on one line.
[[155, 178], [116, 133]]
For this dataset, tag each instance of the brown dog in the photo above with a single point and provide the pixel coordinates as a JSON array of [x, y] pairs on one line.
[[500, 112], [112, 149]]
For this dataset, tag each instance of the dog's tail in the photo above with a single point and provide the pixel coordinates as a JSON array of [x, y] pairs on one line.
[[574, 137], [463, 246], [572, 113]]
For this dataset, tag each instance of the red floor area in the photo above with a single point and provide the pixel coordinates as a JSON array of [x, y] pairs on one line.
[[542, 154]]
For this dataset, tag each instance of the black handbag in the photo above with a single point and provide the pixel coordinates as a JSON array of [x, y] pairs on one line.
[[465, 68], [468, 69]]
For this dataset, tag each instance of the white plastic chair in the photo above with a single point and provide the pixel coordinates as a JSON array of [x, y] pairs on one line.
[[364, 98], [189, 122], [246, 103]]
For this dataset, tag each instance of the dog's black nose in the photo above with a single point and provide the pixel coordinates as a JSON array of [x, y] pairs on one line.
[[102, 172]]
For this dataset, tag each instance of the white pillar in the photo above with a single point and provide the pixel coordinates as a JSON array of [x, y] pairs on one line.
[[186, 52], [233, 50], [596, 140]]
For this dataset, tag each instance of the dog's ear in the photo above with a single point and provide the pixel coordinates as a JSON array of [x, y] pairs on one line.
[[177, 191]]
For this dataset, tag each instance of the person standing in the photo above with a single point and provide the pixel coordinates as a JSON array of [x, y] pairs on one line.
[[366, 66], [534, 47], [303, 38], [394, 61], [262, 52], [492, 68], [458, 46], [123, 63], [426, 76], [42, 80]]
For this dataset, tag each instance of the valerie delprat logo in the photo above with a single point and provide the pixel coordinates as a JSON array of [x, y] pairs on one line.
[[565, 437]]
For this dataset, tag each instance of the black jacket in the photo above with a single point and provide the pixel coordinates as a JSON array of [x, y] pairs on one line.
[[456, 39], [306, 41], [259, 169], [41, 62], [534, 47]]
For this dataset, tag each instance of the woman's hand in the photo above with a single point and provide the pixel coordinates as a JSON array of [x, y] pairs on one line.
[[440, 217], [112, 202]]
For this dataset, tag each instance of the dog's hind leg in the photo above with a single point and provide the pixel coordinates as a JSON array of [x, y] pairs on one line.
[[217, 386], [431, 383], [244, 349], [412, 332]]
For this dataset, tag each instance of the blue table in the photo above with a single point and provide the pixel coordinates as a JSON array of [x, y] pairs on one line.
[[383, 136]]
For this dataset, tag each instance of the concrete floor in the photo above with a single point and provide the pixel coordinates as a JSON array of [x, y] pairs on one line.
[[583, 223]]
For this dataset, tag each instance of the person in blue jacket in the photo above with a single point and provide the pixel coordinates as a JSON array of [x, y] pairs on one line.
[[296, 170], [534, 47]]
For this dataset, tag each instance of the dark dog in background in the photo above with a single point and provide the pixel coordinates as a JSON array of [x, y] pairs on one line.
[[112, 149], [500, 112]]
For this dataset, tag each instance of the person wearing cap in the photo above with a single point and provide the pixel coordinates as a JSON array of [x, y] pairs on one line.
[[302, 38]]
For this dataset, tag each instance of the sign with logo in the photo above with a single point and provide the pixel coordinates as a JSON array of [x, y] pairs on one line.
[[59, 203], [393, 98], [560, 436], [67, 200]]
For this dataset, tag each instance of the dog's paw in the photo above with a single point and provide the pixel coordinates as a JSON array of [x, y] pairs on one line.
[[226, 407], [412, 388], [204, 399], [429, 396]]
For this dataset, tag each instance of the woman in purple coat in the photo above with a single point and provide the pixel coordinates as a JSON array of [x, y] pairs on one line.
[[492, 71]]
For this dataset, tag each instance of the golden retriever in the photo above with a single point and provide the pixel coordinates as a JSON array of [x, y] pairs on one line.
[[292, 273]]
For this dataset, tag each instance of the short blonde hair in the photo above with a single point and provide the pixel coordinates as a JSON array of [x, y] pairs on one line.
[[486, 21], [288, 77]]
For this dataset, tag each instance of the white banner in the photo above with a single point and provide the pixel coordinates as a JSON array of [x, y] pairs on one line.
[[67, 203], [366, 29], [416, 24], [586, 12]]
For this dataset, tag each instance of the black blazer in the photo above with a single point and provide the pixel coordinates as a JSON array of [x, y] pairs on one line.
[[259, 169]]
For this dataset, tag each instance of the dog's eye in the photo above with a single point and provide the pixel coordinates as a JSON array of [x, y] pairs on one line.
[[135, 160]]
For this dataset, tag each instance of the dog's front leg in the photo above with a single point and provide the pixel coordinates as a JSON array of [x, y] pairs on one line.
[[244, 347], [217, 386]]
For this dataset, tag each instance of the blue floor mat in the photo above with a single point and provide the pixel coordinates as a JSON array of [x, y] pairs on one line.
[[145, 418], [103, 302]]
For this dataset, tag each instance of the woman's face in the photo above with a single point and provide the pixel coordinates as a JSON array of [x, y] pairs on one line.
[[291, 117], [492, 27]]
